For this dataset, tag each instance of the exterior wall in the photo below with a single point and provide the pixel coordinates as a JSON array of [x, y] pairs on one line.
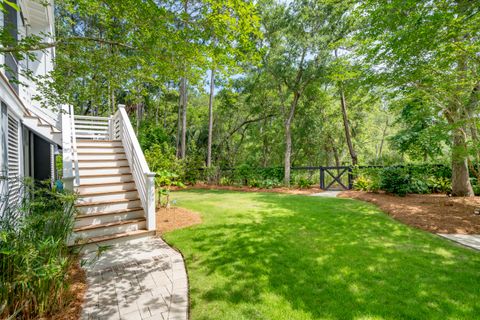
[[33, 19]]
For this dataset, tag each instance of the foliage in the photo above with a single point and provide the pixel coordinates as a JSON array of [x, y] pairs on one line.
[[401, 180], [407, 72], [34, 257], [362, 183], [164, 181], [304, 183], [161, 157], [281, 247], [440, 184]]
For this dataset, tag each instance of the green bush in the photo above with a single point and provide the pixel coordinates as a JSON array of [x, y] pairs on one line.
[[270, 184], [34, 257], [225, 181], [399, 180], [440, 184], [418, 185], [395, 180], [362, 183], [304, 183]]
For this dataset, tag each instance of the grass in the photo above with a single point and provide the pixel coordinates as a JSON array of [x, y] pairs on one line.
[[273, 256]]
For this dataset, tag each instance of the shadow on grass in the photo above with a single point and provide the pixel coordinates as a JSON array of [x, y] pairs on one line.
[[310, 258]]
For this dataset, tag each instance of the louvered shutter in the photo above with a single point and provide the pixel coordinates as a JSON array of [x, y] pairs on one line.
[[13, 160]]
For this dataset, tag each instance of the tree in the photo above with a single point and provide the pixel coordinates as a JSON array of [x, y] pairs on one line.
[[299, 36], [430, 48]]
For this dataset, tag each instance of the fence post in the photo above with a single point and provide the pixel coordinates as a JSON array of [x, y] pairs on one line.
[[150, 196], [350, 178], [322, 178]]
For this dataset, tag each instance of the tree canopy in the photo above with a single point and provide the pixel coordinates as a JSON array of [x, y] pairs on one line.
[[296, 83]]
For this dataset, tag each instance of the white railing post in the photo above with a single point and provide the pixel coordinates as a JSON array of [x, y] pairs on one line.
[[121, 109], [110, 127], [150, 210], [67, 149], [74, 147]]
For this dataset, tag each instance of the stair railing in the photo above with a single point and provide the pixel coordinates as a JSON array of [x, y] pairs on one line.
[[71, 176], [121, 129], [92, 127]]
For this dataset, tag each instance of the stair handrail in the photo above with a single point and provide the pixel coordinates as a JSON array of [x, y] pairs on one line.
[[69, 147], [74, 147], [144, 179]]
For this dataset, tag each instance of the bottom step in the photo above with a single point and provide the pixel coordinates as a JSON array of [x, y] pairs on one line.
[[94, 243]]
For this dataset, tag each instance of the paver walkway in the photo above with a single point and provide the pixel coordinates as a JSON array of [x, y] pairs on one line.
[[469, 240], [144, 280]]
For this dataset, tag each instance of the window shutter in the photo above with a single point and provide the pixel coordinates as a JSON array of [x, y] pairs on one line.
[[13, 161]]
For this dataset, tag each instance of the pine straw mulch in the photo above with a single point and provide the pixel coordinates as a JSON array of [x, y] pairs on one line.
[[75, 295], [286, 190], [434, 213], [175, 218]]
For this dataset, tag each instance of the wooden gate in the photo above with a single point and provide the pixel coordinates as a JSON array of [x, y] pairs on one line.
[[336, 178]]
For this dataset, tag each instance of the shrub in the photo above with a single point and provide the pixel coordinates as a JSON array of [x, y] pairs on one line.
[[34, 257], [270, 184], [395, 180], [254, 183], [304, 183], [440, 184], [225, 181], [425, 178], [418, 185], [164, 181], [362, 183]]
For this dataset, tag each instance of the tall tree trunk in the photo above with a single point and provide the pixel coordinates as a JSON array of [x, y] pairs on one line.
[[346, 126], [182, 112], [288, 138], [210, 119], [183, 141], [461, 186], [382, 141], [348, 138], [179, 118]]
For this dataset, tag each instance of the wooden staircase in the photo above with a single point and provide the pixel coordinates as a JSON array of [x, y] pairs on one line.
[[114, 201], [108, 204]]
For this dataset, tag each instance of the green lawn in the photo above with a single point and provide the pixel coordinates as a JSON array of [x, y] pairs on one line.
[[272, 256]]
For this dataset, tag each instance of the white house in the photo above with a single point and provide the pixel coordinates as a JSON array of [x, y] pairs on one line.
[[102, 160], [29, 135]]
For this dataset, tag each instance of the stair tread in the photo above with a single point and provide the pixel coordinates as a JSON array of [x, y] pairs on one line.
[[92, 194], [98, 203], [100, 147], [109, 224], [104, 183], [115, 236], [106, 175], [89, 215], [100, 160], [100, 153], [97, 140], [105, 167]]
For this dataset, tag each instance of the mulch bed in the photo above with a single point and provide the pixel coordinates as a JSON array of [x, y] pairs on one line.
[[75, 295], [434, 212], [175, 218], [249, 189]]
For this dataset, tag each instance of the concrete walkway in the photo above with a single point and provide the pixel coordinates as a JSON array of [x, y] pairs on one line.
[[468, 240], [327, 194], [144, 280]]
